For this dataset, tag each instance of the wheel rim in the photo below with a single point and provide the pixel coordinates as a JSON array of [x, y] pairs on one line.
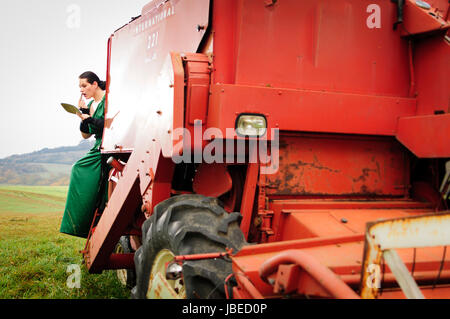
[[121, 273], [158, 286]]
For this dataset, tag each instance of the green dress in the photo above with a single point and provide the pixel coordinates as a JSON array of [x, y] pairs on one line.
[[85, 189]]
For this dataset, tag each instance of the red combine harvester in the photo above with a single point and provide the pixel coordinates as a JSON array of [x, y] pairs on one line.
[[273, 148]]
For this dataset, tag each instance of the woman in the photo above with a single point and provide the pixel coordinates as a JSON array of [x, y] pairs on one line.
[[86, 193]]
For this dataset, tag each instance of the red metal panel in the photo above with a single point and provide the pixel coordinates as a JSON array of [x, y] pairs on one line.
[[139, 79], [295, 219], [212, 180], [160, 182], [426, 136], [199, 95], [297, 224], [197, 88], [157, 136], [225, 26], [419, 20], [320, 45], [432, 73], [113, 222], [147, 164], [441, 5], [309, 111]]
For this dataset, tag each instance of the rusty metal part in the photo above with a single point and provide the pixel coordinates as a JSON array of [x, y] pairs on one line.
[[339, 166], [419, 231], [265, 215], [327, 278], [161, 284], [382, 238]]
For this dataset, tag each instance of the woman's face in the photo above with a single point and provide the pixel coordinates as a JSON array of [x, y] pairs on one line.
[[87, 89]]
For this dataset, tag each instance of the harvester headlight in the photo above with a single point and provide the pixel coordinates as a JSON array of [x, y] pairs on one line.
[[251, 125]]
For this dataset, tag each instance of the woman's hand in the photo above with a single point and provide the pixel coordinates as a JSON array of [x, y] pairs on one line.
[[81, 104], [83, 116]]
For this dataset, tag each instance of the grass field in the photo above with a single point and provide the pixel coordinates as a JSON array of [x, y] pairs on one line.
[[34, 256]]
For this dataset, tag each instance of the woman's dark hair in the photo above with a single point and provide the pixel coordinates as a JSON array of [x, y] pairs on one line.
[[91, 77]]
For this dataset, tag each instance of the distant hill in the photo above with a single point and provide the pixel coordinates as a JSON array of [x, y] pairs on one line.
[[43, 167]]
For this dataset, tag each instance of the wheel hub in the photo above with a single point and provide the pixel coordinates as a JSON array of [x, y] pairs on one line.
[[158, 286]]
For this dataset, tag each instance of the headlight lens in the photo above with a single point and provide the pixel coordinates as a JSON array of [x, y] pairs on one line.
[[251, 125]]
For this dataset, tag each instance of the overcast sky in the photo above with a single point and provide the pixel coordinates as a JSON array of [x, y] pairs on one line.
[[45, 46]]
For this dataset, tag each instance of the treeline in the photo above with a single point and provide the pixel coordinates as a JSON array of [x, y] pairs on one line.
[[60, 155]]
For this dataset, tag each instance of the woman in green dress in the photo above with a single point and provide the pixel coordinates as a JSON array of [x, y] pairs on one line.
[[86, 193]]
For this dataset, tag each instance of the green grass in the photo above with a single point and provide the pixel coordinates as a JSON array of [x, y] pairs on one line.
[[32, 199], [59, 192], [34, 256]]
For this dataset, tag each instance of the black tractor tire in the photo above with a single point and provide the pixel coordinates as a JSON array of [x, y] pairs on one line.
[[126, 277], [185, 225]]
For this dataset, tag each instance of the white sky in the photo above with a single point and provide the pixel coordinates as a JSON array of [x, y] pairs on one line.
[[44, 46]]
